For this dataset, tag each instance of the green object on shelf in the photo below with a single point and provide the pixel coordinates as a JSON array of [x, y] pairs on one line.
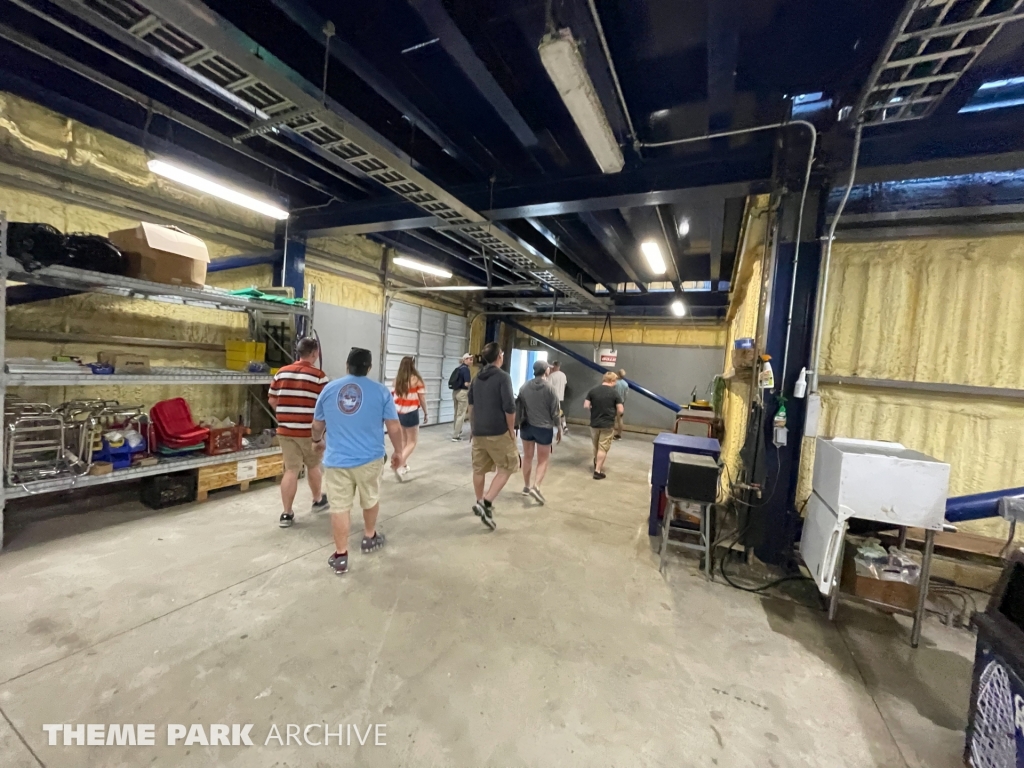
[[255, 293]]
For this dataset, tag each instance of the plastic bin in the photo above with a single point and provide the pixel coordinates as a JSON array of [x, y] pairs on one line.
[[995, 725], [225, 440], [161, 491]]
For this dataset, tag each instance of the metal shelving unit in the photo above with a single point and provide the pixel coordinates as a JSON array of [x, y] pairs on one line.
[[132, 288], [132, 473], [158, 376], [127, 287]]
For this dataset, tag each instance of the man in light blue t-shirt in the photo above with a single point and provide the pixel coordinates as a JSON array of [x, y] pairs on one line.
[[347, 428]]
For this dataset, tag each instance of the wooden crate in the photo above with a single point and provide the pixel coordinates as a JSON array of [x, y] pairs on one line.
[[226, 475]]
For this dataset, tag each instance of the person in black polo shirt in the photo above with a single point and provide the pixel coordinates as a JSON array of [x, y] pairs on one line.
[[604, 403]]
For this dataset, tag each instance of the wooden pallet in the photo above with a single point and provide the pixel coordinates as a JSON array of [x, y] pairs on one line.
[[231, 473]]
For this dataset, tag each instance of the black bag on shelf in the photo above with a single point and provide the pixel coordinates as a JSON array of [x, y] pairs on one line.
[[94, 252], [35, 246]]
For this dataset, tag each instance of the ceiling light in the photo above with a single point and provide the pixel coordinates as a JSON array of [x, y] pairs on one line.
[[678, 308], [430, 269], [652, 252], [561, 57], [684, 227], [195, 180]]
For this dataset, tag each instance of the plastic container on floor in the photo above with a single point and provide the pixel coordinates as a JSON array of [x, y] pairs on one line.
[[161, 491]]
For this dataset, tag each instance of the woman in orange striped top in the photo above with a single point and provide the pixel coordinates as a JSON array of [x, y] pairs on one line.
[[410, 395]]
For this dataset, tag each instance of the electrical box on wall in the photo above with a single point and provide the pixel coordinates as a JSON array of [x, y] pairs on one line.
[[813, 414]]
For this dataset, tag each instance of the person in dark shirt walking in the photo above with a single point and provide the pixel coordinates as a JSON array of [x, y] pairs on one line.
[[492, 420], [458, 382], [604, 403]]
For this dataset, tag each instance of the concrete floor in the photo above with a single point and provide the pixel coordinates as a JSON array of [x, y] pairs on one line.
[[553, 641]]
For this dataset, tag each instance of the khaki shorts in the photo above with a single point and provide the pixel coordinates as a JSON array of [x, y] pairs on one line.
[[298, 451], [602, 439], [342, 485], [495, 451]]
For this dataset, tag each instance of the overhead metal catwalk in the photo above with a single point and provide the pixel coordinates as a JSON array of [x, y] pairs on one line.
[[932, 45], [198, 44]]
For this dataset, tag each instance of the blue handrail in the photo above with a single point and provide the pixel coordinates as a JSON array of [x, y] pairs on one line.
[[977, 506], [660, 400]]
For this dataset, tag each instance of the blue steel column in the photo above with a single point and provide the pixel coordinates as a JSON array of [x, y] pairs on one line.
[[291, 271], [775, 523]]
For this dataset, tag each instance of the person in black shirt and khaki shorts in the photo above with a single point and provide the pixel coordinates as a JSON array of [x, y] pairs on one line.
[[604, 403]]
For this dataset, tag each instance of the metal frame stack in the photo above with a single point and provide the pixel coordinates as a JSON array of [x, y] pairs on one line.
[[115, 285]]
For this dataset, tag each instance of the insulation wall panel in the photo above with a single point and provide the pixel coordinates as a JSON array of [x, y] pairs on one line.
[[682, 334], [933, 310]]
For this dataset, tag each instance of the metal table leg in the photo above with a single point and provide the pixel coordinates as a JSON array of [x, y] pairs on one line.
[[666, 525], [922, 597], [833, 602], [705, 538]]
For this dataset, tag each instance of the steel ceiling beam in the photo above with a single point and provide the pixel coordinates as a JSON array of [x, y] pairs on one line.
[[567, 249], [615, 237], [455, 44], [716, 225], [313, 24], [722, 51], [222, 60], [658, 185]]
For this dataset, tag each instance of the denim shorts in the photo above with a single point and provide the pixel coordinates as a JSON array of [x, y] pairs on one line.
[[538, 435], [409, 419]]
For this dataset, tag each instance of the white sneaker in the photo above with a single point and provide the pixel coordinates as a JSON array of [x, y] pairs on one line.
[[526, 490], [535, 492]]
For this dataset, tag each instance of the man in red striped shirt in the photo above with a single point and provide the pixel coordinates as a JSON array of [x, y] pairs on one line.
[[293, 395]]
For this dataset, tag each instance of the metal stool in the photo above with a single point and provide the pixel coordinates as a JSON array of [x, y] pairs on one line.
[[702, 534]]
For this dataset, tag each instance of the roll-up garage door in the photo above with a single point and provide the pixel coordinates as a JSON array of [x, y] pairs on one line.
[[437, 340]]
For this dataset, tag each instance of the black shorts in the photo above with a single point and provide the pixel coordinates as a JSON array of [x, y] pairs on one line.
[[538, 435], [409, 419]]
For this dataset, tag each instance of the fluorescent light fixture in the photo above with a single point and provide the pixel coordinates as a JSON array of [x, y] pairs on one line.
[[196, 180], [678, 308], [652, 252], [561, 57], [684, 227], [430, 269]]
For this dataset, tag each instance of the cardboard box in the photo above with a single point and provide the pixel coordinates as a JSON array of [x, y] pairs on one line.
[[124, 362], [163, 254], [101, 468], [894, 593]]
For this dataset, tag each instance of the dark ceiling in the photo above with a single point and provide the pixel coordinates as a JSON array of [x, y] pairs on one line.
[[456, 89]]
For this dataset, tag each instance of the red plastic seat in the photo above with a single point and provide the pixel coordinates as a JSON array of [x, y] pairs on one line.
[[174, 425]]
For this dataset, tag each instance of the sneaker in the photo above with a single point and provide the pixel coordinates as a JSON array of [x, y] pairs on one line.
[[485, 511], [398, 475], [617, 437], [370, 543], [321, 506], [286, 519], [535, 492], [456, 439], [488, 516], [526, 490], [599, 475], [339, 563]]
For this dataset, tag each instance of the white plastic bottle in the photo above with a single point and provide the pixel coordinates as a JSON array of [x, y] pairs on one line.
[[800, 388]]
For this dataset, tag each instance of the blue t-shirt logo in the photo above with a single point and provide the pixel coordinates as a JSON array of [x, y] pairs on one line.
[[350, 397], [354, 409]]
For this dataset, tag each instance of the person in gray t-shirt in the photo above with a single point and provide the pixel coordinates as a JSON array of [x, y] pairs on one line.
[[537, 415]]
